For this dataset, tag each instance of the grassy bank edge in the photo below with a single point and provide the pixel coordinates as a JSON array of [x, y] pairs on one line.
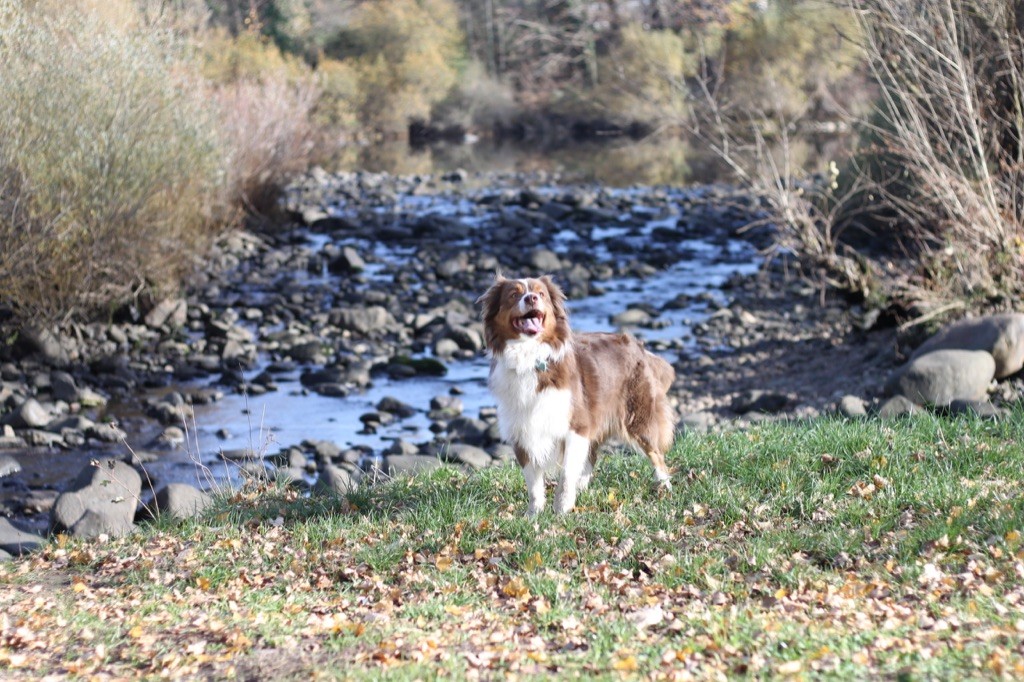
[[831, 547]]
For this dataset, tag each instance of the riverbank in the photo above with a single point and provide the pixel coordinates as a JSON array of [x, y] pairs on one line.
[[349, 343]]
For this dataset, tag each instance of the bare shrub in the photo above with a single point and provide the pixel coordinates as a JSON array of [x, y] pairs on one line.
[[108, 160], [808, 213], [946, 152], [267, 131]]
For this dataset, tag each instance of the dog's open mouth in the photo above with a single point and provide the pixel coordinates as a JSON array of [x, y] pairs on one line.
[[531, 324]]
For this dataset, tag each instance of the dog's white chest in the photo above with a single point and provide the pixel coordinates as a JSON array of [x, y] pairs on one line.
[[537, 421]]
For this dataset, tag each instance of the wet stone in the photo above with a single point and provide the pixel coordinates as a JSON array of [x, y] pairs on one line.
[[332, 390], [897, 406], [30, 414], [469, 430], [852, 406], [42, 439], [335, 480], [401, 447], [446, 348], [324, 450], [8, 464], [396, 407], [634, 317]]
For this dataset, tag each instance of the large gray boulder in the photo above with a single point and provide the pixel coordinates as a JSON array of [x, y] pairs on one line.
[[9, 465], [1000, 335], [181, 501], [397, 465], [348, 260], [46, 344], [853, 407], [897, 406], [942, 376], [335, 480], [369, 320], [171, 312], [62, 386], [545, 260], [471, 456], [469, 430], [100, 500]]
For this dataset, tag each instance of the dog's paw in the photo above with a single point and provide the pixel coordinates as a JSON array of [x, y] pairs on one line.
[[664, 488]]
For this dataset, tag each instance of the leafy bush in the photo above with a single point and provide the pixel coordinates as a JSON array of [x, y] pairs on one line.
[[406, 56], [477, 101], [339, 90], [247, 57], [795, 58], [109, 160], [645, 76]]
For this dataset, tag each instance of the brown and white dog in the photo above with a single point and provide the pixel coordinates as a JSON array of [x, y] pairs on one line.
[[560, 394]]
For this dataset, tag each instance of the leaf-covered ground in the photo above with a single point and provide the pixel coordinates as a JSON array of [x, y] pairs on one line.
[[825, 549]]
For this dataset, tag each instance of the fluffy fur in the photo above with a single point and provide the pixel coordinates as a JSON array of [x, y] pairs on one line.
[[560, 394]]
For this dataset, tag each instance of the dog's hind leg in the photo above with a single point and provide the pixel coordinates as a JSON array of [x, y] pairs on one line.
[[655, 446], [660, 469], [576, 469]]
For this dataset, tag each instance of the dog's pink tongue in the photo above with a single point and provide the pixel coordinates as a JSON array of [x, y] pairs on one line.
[[529, 325]]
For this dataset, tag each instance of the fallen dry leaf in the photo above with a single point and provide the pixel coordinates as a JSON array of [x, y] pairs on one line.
[[790, 668], [647, 617]]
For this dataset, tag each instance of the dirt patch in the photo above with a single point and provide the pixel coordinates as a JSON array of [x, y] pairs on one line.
[[781, 338]]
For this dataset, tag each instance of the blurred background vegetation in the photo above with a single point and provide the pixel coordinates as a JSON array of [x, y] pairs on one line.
[[190, 115]]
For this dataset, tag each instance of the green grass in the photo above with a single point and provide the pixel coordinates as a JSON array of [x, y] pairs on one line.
[[772, 556]]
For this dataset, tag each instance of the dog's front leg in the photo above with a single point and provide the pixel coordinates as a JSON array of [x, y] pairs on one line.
[[574, 465], [534, 488]]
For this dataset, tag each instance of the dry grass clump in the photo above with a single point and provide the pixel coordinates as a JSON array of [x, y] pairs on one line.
[[267, 130], [110, 169], [119, 159], [936, 187], [946, 153]]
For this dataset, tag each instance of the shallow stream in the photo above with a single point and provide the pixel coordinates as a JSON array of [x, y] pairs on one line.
[[293, 414]]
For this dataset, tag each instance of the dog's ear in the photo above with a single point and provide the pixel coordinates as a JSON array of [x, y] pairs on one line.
[[489, 301], [556, 296]]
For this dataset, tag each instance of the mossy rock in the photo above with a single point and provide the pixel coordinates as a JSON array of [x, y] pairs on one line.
[[423, 366]]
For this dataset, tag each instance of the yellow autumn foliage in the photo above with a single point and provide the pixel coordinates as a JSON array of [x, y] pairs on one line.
[[405, 56]]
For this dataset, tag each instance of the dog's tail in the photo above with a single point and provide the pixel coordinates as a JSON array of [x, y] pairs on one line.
[[662, 370]]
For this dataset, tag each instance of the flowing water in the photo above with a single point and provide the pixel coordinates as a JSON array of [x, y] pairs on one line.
[[291, 415]]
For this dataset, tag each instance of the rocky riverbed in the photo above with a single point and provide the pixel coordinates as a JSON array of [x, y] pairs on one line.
[[347, 345]]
